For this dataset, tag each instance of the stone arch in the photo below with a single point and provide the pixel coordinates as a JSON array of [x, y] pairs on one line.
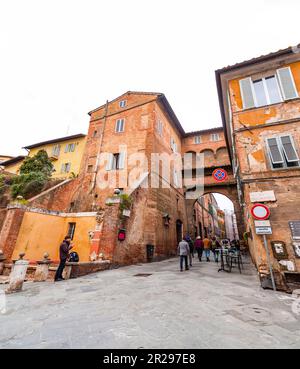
[[230, 191]]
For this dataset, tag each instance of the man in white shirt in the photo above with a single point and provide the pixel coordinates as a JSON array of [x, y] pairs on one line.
[[183, 251]]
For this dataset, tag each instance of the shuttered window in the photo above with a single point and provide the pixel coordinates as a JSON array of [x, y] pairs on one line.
[[120, 125], [247, 93], [160, 127], [275, 151], [287, 83], [109, 163], [271, 89], [65, 167], [282, 152], [198, 140], [121, 161], [116, 161], [289, 149]]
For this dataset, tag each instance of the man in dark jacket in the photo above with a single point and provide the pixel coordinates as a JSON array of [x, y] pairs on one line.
[[64, 249]]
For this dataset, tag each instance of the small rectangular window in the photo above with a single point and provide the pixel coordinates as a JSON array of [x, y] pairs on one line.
[[65, 167], [160, 127], [215, 137], [116, 161], [120, 125], [122, 104], [90, 168], [71, 230], [198, 140], [173, 145], [56, 150], [70, 147]]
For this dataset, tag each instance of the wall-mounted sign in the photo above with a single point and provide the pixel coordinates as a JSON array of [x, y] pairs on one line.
[[263, 230], [279, 250], [295, 229], [220, 175], [126, 213], [287, 265], [262, 223], [260, 212], [121, 234], [296, 246], [262, 196]]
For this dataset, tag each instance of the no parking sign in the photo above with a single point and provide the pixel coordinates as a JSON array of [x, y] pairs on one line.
[[220, 175]]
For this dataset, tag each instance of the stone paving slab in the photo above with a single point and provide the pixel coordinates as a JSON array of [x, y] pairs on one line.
[[200, 308]]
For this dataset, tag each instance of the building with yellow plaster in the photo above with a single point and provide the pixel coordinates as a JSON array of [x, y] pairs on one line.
[[65, 152], [12, 165]]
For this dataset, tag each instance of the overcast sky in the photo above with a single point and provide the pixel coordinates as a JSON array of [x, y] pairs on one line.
[[60, 59]]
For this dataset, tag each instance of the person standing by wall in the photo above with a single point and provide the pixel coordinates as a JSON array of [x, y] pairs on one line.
[[207, 246], [64, 249], [199, 247], [184, 251]]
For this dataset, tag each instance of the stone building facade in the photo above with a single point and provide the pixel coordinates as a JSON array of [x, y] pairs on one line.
[[260, 107]]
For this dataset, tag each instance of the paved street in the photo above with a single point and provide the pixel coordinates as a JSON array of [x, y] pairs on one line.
[[199, 308]]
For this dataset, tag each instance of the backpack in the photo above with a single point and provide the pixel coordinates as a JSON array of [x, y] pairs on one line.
[[74, 257]]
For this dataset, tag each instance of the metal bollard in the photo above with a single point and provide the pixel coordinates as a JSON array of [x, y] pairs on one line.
[[17, 275]]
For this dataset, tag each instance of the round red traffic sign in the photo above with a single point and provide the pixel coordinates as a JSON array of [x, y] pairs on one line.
[[220, 175], [260, 212]]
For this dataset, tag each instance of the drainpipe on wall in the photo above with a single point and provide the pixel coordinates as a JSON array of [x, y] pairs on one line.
[[100, 147]]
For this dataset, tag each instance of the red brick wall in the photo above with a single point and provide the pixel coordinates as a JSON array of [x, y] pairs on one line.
[[2, 217], [58, 199]]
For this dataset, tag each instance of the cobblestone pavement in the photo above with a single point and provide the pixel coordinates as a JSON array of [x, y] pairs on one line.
[[200, 308]]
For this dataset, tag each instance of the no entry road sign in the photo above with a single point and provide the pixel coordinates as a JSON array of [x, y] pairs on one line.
[[220, 175], [260, 212]]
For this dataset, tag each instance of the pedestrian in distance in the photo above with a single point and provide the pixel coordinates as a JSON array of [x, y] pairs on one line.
[[183, 251], [191, 254], [215, 246], [207, 246], [64, 249], [199, 247]]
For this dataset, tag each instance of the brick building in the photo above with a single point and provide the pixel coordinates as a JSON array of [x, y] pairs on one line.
[[135, 123], [260, 108]]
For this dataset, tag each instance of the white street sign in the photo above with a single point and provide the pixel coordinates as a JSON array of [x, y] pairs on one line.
[[262, 196], [263, 230]]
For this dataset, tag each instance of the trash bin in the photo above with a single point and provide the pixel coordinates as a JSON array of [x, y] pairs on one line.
[[150, 252]]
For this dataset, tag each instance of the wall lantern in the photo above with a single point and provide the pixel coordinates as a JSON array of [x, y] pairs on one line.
[[167, 219], [122, 234]]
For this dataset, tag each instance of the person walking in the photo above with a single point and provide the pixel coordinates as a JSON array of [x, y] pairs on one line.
[[215, 246], [191, 254], [199, 247], [183, 251], [207, 246], [64, 249]]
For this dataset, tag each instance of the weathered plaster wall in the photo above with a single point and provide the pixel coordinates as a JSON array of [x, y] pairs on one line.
[[40, 233]]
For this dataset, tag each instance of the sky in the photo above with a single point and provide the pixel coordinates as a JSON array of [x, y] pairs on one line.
[[61, 59]]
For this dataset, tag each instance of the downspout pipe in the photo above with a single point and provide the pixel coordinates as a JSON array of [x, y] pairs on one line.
[[100, 147]]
